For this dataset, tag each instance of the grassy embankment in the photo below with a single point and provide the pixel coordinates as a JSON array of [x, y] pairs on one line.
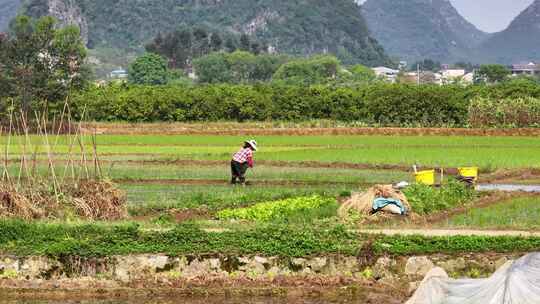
[[95, 240]]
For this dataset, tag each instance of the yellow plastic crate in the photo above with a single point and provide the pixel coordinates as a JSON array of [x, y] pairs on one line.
[[426, 177], [469, 172]]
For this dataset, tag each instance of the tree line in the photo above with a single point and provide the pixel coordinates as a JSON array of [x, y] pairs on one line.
[[182, 46], [377, 104]]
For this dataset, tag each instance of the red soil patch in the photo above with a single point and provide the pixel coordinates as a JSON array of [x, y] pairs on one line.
[[189, 214]]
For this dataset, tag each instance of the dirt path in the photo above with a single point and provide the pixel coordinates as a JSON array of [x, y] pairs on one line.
[[428, 232], [450, 232], [270, 129]]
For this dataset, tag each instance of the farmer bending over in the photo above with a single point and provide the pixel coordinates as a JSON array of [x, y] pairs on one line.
[[242, 160]]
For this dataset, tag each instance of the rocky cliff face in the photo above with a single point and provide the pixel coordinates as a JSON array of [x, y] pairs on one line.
[[8, 10], [299, 27], [418, 29], [519, 42], [68, 12]]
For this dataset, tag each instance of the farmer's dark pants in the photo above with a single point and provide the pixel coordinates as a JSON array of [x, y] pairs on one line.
[[238, 171]]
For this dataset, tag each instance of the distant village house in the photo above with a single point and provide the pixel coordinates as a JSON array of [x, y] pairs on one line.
[[530, 68], [388, 74], [118, 74]]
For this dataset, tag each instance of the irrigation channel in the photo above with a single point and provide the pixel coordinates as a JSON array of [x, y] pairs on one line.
[[508, 188]]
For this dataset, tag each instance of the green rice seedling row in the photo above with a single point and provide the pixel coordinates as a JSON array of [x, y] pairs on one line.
[[520, 213]]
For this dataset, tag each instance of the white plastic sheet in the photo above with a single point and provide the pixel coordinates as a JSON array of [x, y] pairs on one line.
[[515, 282]]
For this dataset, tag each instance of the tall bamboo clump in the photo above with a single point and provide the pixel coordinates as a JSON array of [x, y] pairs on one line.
[[39, 180]]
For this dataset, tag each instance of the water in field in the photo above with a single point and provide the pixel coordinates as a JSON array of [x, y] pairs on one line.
[[509, 188]]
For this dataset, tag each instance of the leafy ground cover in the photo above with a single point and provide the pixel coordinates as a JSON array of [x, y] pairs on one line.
[[518, 213], [145, 199], [407, 245], [95, 240], [292, 209], [90, 240], [425, 199]]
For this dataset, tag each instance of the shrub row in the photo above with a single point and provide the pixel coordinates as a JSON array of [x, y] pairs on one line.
[[426, 199], [505, 112], [93, 240], [375, 104]]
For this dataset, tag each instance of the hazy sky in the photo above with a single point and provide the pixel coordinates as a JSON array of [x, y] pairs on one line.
[[491, 15]]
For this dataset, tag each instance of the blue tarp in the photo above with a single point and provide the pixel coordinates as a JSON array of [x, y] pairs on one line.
[[382, 202]]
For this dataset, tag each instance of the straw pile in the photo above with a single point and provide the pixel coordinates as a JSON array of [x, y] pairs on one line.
[[91, 200], [363, 202], [25, 204], [99, 201]]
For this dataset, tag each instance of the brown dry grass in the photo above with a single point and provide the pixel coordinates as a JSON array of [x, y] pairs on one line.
[[93, 200], [98, 200], [25, 205]]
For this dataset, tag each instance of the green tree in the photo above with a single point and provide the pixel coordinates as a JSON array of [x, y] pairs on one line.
[[361, 73], [256, 48], [315, 70], [175, 46], [237, 67], [230, 44], [245, 43], [216, 42], [41, 62], [241, 65], [492, 73], [149, 69], [213, 68], [266, 66], [201, 43]]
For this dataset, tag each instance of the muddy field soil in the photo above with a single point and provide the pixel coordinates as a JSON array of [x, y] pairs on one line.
[[300, 295]]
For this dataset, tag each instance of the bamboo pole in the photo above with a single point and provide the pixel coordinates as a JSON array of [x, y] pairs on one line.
[[28, 143], [43, 132], [5, 173], [80, 140]]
